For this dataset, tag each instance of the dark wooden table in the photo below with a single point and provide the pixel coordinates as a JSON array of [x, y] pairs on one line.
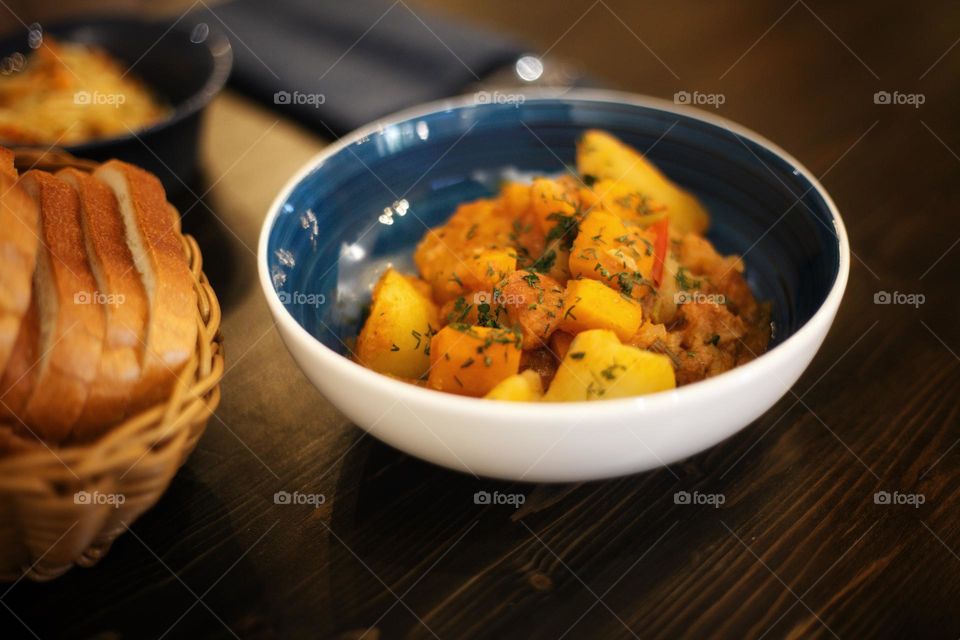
[[801, 546]]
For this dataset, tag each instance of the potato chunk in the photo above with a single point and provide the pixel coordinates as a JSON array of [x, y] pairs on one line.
[[482, 271], [515, 199], [471, 360], [625, 202], [606, 250], [553, 202], [603, 157], [395, 338], [598, 367], [556, 211], [589, 304], [523, 387], [447, 256]]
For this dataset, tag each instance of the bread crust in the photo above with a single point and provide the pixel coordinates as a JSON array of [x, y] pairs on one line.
[[7, 164], [153, 235], [19, 219], [20, 376], [124, 300], [71, 320]]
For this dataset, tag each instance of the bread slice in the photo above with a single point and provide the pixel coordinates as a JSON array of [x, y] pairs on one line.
[[124, 300], [18, 254], [19, 326], [152, 231], [20, 376], [71, 320]]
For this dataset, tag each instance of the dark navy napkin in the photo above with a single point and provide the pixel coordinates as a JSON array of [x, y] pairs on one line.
[[339, 65]]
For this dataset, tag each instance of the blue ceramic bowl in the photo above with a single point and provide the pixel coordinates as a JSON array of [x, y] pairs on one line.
[[367, 200]]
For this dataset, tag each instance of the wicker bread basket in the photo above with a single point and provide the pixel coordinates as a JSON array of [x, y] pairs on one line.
[[61, 506]]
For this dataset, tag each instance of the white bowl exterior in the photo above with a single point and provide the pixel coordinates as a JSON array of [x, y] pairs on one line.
[[557, 442], [560, 443]]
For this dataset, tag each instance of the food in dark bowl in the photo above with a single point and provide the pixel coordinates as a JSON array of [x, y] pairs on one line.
[[70, 94], [155, 78]]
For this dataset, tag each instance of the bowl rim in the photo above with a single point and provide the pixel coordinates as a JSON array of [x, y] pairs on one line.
[[216, 44], [804, 337]]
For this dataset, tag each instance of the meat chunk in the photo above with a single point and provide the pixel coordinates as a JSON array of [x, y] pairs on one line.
[[534, 303]]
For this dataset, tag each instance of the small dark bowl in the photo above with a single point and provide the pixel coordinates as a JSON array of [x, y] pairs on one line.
[[183, 69]]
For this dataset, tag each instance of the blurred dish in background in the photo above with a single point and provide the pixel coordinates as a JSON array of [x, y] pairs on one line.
[[70, 93], [182, 65]]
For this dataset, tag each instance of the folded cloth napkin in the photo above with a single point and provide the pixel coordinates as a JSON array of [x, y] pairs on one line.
[[336, 66]]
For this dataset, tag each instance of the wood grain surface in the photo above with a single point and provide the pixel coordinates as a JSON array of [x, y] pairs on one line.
[[799, 547]]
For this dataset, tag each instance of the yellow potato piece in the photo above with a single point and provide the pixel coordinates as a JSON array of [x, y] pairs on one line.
[[588, 304], [552, 200], [626, 202], [484, 270], [603, 157], [515, 199], [395, 339], [598, 367], [606, 250], [523, 387]]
